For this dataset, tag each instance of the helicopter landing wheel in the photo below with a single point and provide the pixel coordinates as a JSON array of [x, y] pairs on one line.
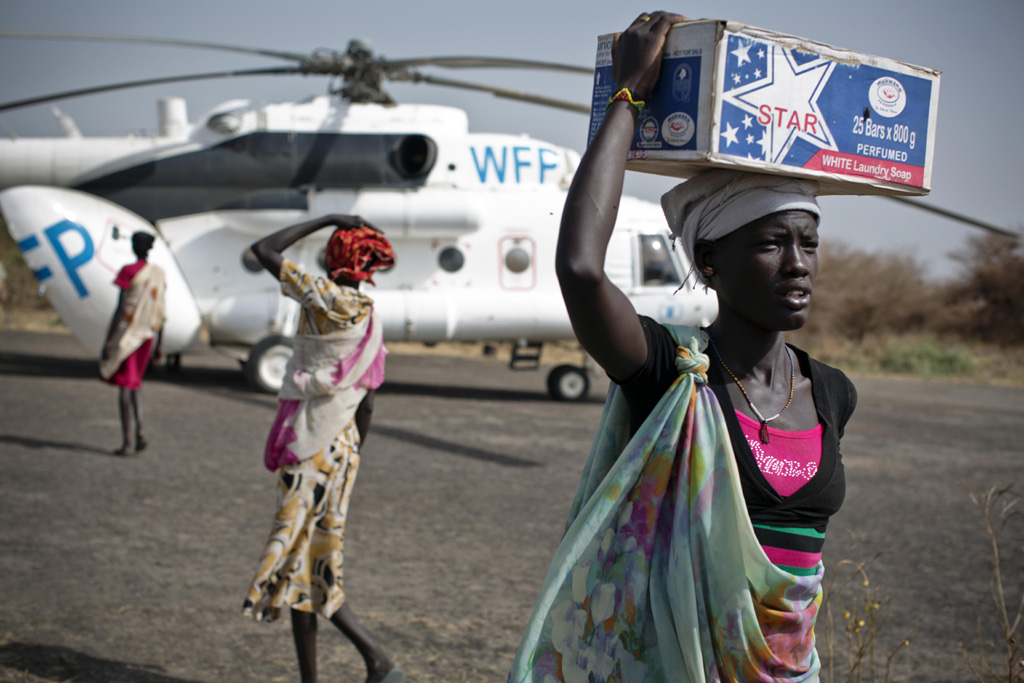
[[568, 383], [264, 371]]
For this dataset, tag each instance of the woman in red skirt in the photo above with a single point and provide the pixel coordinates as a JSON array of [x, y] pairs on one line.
[[136, 323]]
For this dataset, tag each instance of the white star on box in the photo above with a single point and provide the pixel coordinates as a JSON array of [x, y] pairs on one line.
[[766, 143], [789, 93], [730, 135], [742, 53]]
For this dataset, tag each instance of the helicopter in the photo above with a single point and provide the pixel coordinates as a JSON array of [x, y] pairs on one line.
[[472, 217]]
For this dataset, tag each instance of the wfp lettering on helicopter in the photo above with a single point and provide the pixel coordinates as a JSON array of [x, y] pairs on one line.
[[70, 259], [519, 164]]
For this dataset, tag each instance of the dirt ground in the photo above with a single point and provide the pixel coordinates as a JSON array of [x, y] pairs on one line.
[[134, 569]]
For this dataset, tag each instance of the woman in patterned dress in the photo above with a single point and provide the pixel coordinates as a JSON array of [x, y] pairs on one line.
[[314, 445], [692, 551]]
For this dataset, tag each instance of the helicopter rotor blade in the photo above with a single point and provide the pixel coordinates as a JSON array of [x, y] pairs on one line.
[[149, 81], [956, 216], [290, 56], [501, 92], [362, 72], [486, 62]]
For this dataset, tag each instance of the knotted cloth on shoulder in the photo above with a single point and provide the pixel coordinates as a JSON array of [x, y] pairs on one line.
[[659, 576]]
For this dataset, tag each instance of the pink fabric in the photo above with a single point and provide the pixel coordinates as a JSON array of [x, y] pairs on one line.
[[789, 460], [791, 558], [124, 278], [129, 375], [374, 375], [281, 435]]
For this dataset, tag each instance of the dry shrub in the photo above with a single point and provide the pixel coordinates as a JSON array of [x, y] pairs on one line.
[[861, 293], [986, 303], [22, 288]]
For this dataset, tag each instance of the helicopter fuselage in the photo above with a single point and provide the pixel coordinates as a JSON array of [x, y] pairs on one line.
[[473, 219]]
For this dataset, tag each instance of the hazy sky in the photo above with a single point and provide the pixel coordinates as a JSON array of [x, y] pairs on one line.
[[976, 45]]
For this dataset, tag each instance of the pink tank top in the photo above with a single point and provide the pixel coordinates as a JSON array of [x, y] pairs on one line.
[[789, 460]]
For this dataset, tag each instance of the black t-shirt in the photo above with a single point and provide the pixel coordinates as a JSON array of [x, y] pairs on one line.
[[834, 398]]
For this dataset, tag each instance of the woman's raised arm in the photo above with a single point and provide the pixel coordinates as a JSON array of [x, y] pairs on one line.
[[603, 319], [269, 250]]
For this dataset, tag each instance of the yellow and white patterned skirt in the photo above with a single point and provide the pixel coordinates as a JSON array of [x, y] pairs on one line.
[[301, 567]]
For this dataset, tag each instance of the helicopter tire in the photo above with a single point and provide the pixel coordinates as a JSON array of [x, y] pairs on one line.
[[568, 383], [265, 368]]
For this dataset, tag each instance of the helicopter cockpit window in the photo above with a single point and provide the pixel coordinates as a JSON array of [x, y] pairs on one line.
[[250, 262], [451, 259], [658, 266]]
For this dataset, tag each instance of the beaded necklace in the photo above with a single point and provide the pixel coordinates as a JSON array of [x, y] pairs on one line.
[[763, 433]]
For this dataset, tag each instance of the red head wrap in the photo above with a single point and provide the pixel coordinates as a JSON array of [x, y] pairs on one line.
[[355, 253]]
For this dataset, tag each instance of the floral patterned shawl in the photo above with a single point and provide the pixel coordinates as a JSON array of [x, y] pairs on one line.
[[659, 576]]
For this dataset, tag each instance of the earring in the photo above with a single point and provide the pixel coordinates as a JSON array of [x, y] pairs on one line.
[[707, 271]]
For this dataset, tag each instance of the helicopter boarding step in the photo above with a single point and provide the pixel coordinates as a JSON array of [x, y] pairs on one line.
[[525, 356]]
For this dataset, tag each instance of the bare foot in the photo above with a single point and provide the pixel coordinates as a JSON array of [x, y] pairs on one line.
[[123, 450]]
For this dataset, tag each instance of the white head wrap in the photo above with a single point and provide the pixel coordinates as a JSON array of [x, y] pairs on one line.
[[715, 203]]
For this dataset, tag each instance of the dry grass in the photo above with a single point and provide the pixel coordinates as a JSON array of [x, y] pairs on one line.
[[919, 354], [854, 616], [1001, 662]]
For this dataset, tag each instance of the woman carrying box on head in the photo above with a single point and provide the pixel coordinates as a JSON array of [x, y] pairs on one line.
[[692, 551]]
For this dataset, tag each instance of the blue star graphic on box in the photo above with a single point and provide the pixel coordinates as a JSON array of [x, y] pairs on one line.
[[770, 103]]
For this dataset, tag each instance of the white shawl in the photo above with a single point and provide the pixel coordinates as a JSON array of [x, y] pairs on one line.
[[322, 375], [144, 315]]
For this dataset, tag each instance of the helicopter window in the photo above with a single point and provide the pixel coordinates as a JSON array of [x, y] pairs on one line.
[[517, 260], [250, 262], [659, 268], [451, 259]]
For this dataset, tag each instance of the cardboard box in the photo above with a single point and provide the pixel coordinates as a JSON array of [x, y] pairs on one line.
[[736, 96]]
